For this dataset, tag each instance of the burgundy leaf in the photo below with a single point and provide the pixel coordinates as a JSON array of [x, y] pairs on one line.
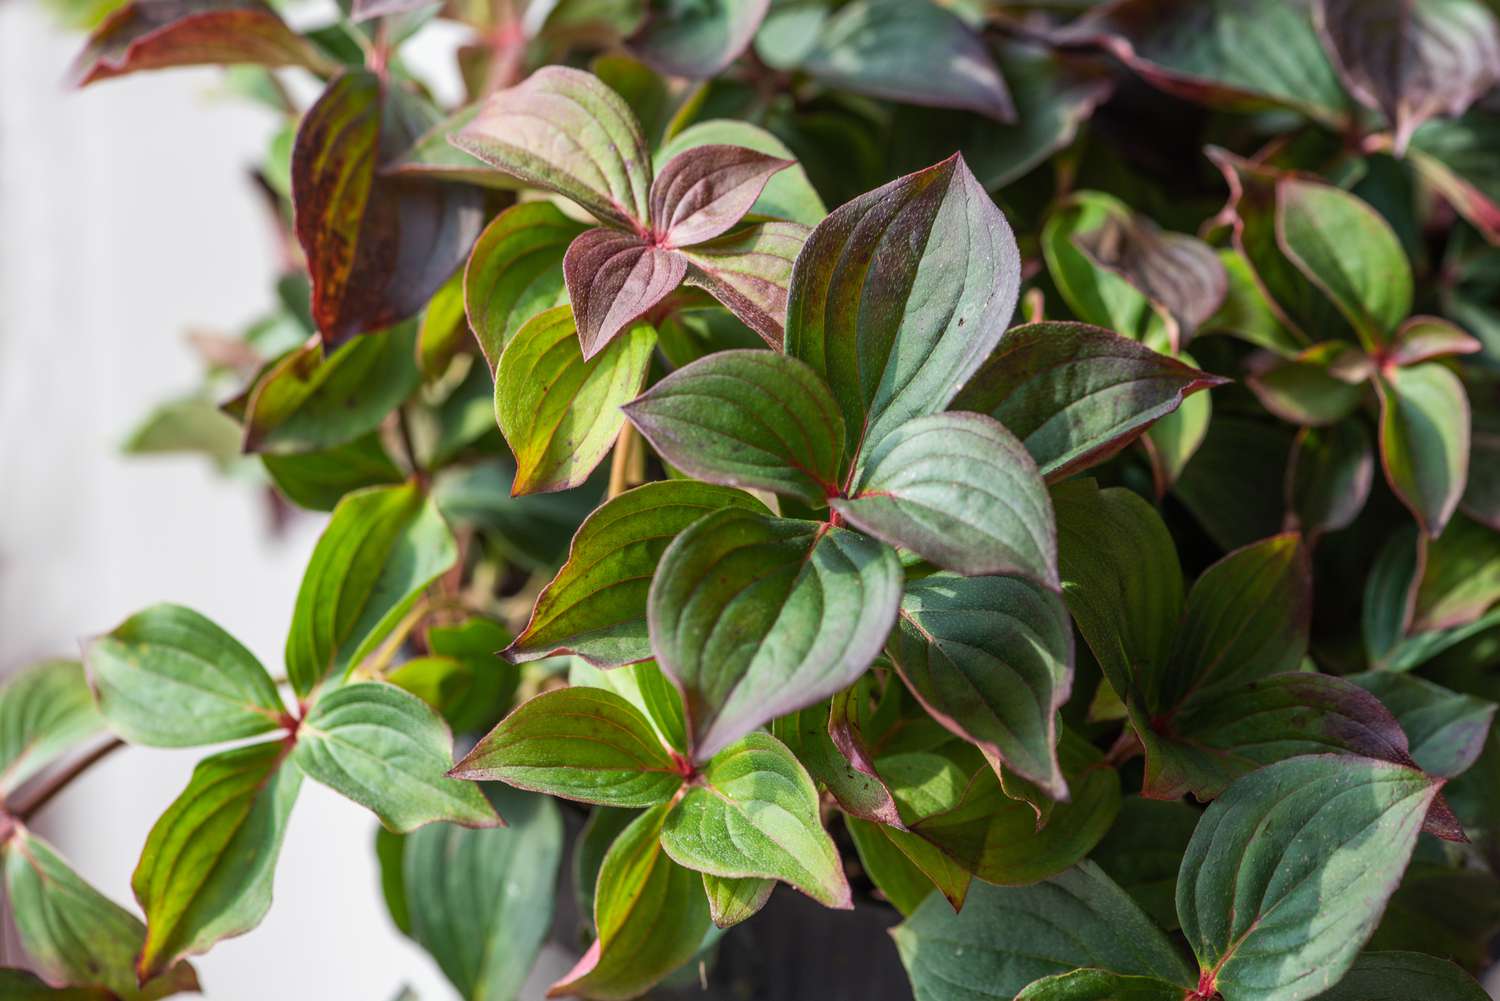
[[749, 271], [158, 34], [1412, 59], [1423, 338], [377, 248], [1180, 274], [614, 277], [702, 192]]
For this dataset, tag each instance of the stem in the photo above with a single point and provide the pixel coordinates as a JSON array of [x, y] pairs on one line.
[[59, 781], [408, 444], [620, 462]]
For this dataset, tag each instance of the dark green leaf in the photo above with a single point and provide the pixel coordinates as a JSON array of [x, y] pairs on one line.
[[1328, 477], [851, 779], [959, 490], [1100, 985], [1289, 871], [755, 617], [1074, 394], [1399, 976], [1005, 938], [991, 658], [1446, 730], [731, 901], [1142, 850], [698, 40], [319, 480], [481, 900]]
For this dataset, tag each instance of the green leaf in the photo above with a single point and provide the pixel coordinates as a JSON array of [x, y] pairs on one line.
[[754, 617], [1247, 617], [168, 677], [481, 901], [18, 985], [380, 550], [515, 272], [650, 913], [563, 130], [319, 480], [1317, 387], [1389, 593], [959, 490], [991, 658], [997, 837], [1328, 477], [1235, 484], [1460, 577], [1423, 338], [443, 329], [753, 419], [1142, 850], [73, 933], [1289, 871], [912, 51], [1348, 250], [1397, 976], [1100, 985], [1120, 575], [189, 425], [1075, 395], [306, 401], [559, 413], [388, 751], [788, 195], [1442, 911], [646, 688], [1452, 155], [1172, 442], [1446, 730], [698, 40], [851, 779], [905, 868], [731, 901], [46, 711], [1005, 938], [754, 812], [1424, 440], [390, 850], [895, 334], [580, 743], [206, 871], [1096, 295], [596, 605], [1237, 54]]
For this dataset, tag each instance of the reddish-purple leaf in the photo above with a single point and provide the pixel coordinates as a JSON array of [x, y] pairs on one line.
[[564, 130], [377, 249], [613, 278], [749, 271], [159, 34], [703, 191], [1180, 274], [1412, 59], [1423, 338]]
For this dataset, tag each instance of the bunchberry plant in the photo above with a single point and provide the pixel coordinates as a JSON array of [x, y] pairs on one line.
[[1004, 546]]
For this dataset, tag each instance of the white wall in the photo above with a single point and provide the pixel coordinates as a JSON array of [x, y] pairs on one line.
[[126, 219]]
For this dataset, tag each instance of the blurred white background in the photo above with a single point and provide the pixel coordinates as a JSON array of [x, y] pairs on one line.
[[126, 218]]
